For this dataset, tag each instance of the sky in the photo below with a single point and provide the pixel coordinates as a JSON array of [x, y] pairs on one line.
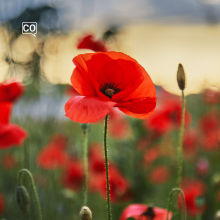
[[75, 12]]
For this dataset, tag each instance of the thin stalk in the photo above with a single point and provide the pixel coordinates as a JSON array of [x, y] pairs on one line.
[[199, 216], [85, 155], [37, 202], [106, 165], [183, 202], [26, 155], [180, 142]]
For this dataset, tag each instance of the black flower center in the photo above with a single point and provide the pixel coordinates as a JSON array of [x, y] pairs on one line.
[[149, 213], [109, 89]]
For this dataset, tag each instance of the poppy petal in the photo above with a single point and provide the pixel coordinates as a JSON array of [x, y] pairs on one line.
[[142, 108], [145, 89], [11, 135], [81, 79], [88, 42], [87, 109], [6, 108], [10, 90], [81, 83], [134, 211], [107, 69]]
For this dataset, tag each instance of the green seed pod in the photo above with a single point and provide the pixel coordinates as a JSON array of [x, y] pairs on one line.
[[23, 199], [84, 126], [85, 213], [200, 201], [181, 78]]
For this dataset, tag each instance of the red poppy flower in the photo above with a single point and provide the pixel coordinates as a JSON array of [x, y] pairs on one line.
[[73, 177], [10, 134], [2, 207], [168, 116], [107, 80], [159, 175], [88, 42], [8, 161], [53, 155], [10, 90], [192, 189], [144, 212]]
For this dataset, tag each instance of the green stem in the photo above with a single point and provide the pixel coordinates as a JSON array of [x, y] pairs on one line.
[[183, 202], [106, 165], [26, 155], [199, 216], [85, 155], [180, 142], [33, 188]]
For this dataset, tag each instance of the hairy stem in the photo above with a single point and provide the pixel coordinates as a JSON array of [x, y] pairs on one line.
[[106, 165], [180, 142], [26, 155], [183, 202], [85, 155], [37, 203]]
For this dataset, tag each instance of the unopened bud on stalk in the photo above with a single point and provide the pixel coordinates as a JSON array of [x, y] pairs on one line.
[[85, 213], [217, 215], [181, 78], [84, 126], [200, 201], [23, 199]]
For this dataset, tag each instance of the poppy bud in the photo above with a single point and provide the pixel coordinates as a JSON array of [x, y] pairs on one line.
[[23, 199], [84, 126], [181, 79], [85, 213], [217, 215], [200, 201]]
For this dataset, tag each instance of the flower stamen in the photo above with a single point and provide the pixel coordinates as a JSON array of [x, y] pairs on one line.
[[109, 89]]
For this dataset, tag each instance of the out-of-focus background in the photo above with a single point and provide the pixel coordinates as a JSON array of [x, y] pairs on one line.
[[159, 34]]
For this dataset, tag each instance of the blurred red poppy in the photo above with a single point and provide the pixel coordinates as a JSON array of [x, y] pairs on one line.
[[151, 155], [210, 128], [96, 159], [168, 116], [159, 175], [192, 189], [88, 42], [118, 129], [8, 161], [144, 212], [107, 80], [2, 207], [190, 142], [211, 96], [202, 167], [10, 134], [119, 186], [10, 90], [53, 155], [73, 176]]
